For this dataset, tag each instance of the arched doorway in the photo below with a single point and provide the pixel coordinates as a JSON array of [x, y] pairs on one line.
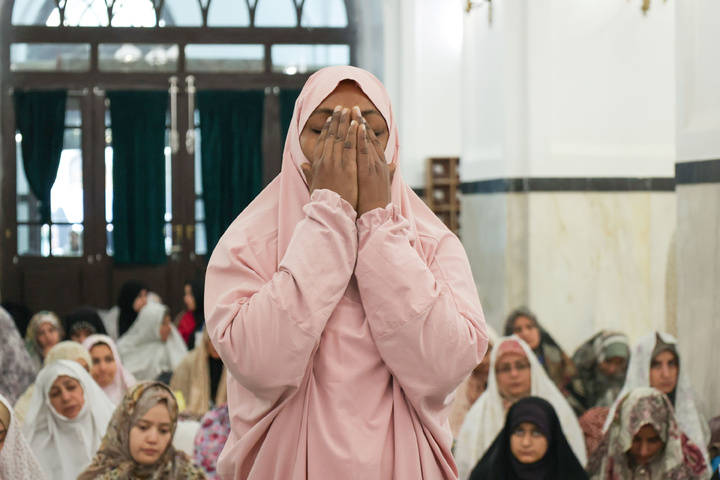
[[92, 50]]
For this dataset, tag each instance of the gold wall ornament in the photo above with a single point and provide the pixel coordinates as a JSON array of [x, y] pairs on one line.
[[472, 4], [645, 5]]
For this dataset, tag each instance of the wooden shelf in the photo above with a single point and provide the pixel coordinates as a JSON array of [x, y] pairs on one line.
[[442, 185]]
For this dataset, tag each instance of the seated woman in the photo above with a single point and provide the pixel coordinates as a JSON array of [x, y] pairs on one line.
[[211, 439], [523, 323], [152, 345], [201, 377], [43, 332], [592, 423], [17, 460], [531, 446], [66, 420], [514, 374], [192, 319], [655, 362], [107, 369], [83, 322], [644, 441], [138, 443], [67, 350], [601, 364], [132, 298], [17, 371]]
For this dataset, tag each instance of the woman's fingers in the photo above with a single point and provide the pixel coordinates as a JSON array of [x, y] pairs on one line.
[[320, 143], [332, 133], [379, 152], [364, 157], [349, 153], [343, 128]]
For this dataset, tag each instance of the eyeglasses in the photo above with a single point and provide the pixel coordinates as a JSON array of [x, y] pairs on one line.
[[508, 367]]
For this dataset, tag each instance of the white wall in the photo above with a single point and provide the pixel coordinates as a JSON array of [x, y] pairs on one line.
[[698, 73], [423, 57], [587, 87]]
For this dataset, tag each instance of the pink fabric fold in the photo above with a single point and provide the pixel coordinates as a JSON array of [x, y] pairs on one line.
[[345, 338]]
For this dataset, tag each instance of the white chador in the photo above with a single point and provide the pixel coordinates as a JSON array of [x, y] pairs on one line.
[[142, 350], [64, 446], [487, 415]]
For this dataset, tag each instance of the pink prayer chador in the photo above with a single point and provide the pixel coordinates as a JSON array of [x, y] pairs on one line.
[[344, 338]]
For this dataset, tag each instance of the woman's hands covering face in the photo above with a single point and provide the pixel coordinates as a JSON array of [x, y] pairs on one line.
[[349, 160]]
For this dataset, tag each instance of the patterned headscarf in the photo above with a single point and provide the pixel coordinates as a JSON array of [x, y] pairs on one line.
[[31, 342], [114, 453], [17, 371], [679, 459]]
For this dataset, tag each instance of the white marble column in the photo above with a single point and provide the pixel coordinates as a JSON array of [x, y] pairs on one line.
[[698, 195]]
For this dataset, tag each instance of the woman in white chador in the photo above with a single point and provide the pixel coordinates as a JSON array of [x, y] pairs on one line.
[[514, 373], [152, 345], [66, 420], [655, 362]]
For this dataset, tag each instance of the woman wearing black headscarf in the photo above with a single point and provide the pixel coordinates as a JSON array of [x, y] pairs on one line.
[[531, 446], [132, 297], [83, 322]]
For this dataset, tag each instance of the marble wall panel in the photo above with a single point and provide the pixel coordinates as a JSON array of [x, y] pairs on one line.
[[698, 296], [582, 261]]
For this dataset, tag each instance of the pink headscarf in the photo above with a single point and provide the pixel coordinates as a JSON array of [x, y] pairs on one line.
[[123, 378], [292, 185]]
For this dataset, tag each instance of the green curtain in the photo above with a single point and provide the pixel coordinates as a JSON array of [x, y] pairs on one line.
[[287, 106], [40, 118], [138, 131], [231, 124]]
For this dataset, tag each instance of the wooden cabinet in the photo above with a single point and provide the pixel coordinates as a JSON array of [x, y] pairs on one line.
[[442, 188]]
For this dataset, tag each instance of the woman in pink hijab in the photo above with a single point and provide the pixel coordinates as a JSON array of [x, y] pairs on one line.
[[107, 369], [344, 310]]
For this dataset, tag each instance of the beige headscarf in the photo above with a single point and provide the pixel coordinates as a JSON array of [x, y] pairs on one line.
[[192, 378], [114, 452]]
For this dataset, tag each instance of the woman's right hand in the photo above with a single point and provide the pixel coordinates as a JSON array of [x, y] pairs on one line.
[[334, 164]]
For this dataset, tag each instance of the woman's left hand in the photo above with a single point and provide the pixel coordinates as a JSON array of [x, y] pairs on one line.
[[374, 174]]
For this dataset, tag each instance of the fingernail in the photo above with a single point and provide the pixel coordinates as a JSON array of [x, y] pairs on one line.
[[337, 109], [357, 110], [363, 128], [328, 120], [345, 111], [353, 123]]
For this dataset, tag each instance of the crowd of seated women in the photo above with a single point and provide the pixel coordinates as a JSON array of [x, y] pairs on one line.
[[125, 391], [114, 394], [609, 412]]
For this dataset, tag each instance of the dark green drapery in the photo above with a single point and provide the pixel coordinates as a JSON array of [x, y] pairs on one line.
[[287, 106], [138, 132], [40, 118], [231, 150]]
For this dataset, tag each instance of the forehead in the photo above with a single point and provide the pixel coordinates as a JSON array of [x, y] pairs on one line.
[[63, 380], [100, 349], [522, 321], [159, 413], [347, 94], [510, 357], [665, 356]]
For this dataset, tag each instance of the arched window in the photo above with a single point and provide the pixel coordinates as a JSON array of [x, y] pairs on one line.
[[91, 48]]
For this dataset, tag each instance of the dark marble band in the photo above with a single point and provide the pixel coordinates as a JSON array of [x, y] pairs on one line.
[[704, 171]]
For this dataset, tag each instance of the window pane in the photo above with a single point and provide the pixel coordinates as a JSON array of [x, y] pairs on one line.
[[34, 240], [200, 239], [275, 13], [73, 114], [108, 179], [225, 58], [67, 240], [182, 13], [129, 57], [324, 13], [133, 13], [49, 57], [66, 195], [292, 59], [228, 13], [110, 245]]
